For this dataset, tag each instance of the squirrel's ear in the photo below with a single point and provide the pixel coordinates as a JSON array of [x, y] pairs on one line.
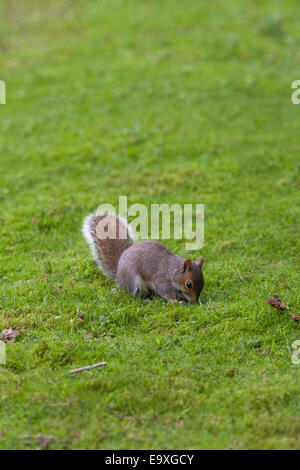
[[199, 261], [186, 266]]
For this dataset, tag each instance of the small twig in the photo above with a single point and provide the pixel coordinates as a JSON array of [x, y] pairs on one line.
[[205, 330], [239, 273], [93, 366], [116, 413], [122, 416], [43, 440]]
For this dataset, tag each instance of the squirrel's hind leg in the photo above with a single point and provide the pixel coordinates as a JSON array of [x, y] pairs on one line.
[[134, 285]]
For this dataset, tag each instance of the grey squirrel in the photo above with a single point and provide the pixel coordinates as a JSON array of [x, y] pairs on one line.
[[144, 267]]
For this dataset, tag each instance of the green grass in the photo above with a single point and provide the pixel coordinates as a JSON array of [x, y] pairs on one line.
[[163, 101]]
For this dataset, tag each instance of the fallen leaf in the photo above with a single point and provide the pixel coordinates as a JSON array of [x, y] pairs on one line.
[[276, 302], [294, 317], [9, 335]]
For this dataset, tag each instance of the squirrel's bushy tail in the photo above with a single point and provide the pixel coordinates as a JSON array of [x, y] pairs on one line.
[[108, 236]]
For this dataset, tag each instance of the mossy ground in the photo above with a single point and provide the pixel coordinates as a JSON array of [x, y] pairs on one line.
[[161, 101]]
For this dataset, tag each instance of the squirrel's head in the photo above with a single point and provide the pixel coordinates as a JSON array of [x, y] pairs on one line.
[[190, 279]]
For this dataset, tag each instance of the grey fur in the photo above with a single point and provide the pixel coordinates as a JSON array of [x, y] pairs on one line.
[[144, 267]]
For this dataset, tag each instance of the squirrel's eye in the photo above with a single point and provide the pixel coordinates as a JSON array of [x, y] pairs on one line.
[[188, 284]]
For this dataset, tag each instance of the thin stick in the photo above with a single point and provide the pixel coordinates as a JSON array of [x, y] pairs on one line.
[[93, 366], [42, 439], [205, 330], [239, 273]]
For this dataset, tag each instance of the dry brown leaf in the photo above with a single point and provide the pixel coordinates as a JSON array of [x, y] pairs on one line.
[[294, 317], [276, 302], [9, 335]]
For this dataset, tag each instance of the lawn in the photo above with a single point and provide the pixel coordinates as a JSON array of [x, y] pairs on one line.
[[163, 101]]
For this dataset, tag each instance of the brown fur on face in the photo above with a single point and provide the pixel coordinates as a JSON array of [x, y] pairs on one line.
[[191, 273]]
